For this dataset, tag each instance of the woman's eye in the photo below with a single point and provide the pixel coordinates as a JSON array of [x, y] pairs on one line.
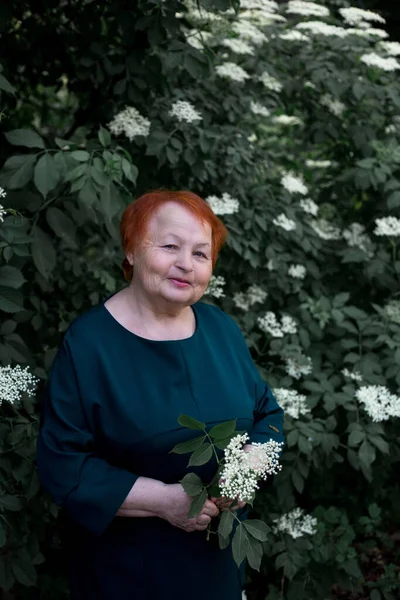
[[170, 246], [200, 254]]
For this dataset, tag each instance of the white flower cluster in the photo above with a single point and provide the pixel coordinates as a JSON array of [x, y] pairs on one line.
[[197, 39], [392, 48], [287, 120], [392, 311], [216, 286], [374, 60], [354, 16], [14, 381], [3, 213], [325, 230], [296, 524], [389, 226], [250, 32], [297, 271], [318, 164], [366, 33], [226, 205], [297, 369], [244, 300], [265, 5], [3, 193], [293, 403], [232, 71], [355, 236], [299, 7], [309, 206], [259, 109], [283, 221], [294, 184], [238, 46], [336, 107], [321, 28], [130, 122], [354, 375], [185, 111], [294, 36], [270, 82], [243, 470], [269, 323], [378, 402]]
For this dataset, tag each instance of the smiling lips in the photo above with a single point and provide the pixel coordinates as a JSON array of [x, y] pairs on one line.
[[180, 282]]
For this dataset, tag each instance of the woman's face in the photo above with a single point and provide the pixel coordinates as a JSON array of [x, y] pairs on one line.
[[173, 264]]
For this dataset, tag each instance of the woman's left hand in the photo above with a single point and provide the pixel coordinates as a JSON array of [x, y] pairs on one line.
[[226, 503]]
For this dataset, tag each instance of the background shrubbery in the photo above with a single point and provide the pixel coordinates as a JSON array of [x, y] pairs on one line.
[[300, 158]]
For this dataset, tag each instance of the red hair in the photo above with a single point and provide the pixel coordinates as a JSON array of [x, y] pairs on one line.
[[136, 216]]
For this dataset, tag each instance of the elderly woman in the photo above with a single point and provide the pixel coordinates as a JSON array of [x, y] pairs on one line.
[[123, 374]]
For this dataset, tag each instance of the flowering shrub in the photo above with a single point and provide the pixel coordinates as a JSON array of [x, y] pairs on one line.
[[286, 118]]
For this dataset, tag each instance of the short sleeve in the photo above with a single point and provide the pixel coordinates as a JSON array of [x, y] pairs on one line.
[[91, 489]]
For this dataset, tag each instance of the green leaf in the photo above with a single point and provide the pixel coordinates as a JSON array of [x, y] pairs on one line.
[[7, 327], [62, 226], [130, 171], [6, 85], [201, 456], [355, 438], [226, 523], [24, 137], [43, 252], [254, 554], [46, 174], [240, 545], [192, 484], [393, 200], [197, 504], [257, 529], [223, 430], [298, 481], [189, 446], [191, 423], [108, 203], [80, 155], [87, 194], [223, 542], [11, 277], [24, 570], [17, 171], [11, 301], [222, 444], [9, 502], [3, 536], [104, 137], [380, 443]]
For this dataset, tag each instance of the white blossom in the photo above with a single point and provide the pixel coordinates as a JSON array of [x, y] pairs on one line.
[[310, 84], [130, 122], [296, 524], [238, 46], [318, 164], [283, 221], [259, 109], [244, 300], [298, 368], [297, 271], [15, 381], [3, 213], [270, 265], [294, 184], [392, 48], [232, 71], [3, 193], [265, 5], [270, 82], [250, 32], [321, 28], [294, 36], [336, 107], [197, 39], [353, 16], [298, 7], [388, 226], [216, 286], [185, 111], [392, 311], [293, 403], [354, 375], [325, 230], [355, 236], [309, 206], [379, 403], [226, 205], [287, 120], [269, 323], [366, 33], [204, 15], [374, 60], [242, 471]]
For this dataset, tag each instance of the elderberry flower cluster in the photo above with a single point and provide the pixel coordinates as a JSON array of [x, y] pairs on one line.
[[296, 368], [244, 300], [355, 16], [309, 206], [356, 237], [321, 28], [354, 375], [15, 381], [130, 122], [325, 230], [243, 471], [2, 193], [264, 5], [231, 71], [226, 205], [374, 60], [294, 36], [294, 184], [216, 286], [293, 403], [318, 164], [297, 271], [269, 323], [238, 46], [283, 221], [287, 120], [392, 311], [259, 109], [271, 83], [185, 111], [379, 403], [307, 9], [296, 524], [366, 33], [336, 107], [392, 48], [387, 226], [250, 32]]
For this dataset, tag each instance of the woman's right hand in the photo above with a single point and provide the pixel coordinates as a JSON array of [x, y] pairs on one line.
[[176, 508]]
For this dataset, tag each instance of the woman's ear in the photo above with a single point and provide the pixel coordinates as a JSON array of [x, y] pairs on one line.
[[129, 258]]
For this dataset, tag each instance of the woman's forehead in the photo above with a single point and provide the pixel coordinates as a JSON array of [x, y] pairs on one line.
[[176, 219]]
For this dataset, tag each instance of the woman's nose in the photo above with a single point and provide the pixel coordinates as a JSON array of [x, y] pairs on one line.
[[185, 261]]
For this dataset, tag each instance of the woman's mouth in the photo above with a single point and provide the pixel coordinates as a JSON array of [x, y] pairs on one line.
[[181, 283]]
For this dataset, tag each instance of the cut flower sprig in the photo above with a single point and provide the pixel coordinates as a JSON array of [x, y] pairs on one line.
[[237, 476]]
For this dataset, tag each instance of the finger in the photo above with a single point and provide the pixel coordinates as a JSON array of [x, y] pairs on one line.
[[203, 520], [210, 509]]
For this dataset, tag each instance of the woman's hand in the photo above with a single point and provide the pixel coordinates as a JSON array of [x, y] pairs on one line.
[[176, 508], [226, 503]]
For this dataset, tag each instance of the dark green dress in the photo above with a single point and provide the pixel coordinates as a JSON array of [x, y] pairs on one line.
[[109, 416]]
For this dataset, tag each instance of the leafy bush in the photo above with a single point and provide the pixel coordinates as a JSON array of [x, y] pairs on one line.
[[291, 130]]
